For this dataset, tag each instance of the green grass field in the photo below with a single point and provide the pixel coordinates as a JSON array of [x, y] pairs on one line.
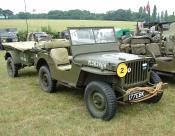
[[59, 25], [26, 110]]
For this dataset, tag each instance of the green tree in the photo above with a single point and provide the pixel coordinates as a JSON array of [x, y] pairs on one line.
[[7, 13], [1, 10], [162, 16], [142, 16], [171, 17], [56, 14], [120, 14], [154, 14], [158, 17], [23, 15], [166, 16]]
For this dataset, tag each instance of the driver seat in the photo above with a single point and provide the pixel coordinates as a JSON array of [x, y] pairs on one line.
[[61, 58]]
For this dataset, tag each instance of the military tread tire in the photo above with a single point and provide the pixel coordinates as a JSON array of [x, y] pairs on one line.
[[154, 79], [100, 100], [46, 82], [12, 69]]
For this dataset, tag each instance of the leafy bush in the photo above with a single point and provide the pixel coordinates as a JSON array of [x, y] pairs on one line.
[[22, 36], [48, 30]]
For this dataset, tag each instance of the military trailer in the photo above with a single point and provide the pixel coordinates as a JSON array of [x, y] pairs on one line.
[[21, 54], [91, 61]]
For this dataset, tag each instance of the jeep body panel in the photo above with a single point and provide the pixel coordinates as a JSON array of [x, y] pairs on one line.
[[165, 66], [98, 71], [70, 77], [105, 58]]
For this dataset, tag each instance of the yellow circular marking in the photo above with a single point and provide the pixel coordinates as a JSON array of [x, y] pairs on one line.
[[122, 70]]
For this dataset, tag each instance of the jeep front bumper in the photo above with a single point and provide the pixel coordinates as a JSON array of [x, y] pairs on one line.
[[138, 94]]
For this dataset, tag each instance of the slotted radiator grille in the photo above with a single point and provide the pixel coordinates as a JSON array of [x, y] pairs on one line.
[[138, 72]]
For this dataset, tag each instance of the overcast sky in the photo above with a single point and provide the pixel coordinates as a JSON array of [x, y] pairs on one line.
[[97, 6]]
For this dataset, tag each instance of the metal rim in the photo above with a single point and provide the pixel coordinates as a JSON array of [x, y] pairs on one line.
[[44, 79], [98, 101], [9, 68]]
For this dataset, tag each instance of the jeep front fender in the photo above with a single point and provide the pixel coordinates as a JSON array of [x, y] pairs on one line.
[[14, 55]]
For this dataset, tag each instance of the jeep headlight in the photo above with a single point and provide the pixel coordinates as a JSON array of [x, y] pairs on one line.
[[122, 70]]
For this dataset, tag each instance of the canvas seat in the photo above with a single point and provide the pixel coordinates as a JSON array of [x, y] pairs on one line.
[[61, 58], [155, 50], [54, 44]]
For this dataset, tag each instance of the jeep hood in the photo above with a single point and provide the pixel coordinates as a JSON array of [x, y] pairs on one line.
[[104, 60]]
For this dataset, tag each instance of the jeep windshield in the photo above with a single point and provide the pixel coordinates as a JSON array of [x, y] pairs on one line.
[[87, 36]]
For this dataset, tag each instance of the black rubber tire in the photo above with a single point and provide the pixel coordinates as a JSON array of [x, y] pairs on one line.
[[154, 79], [103, 89], [50, 86], [12, 69]]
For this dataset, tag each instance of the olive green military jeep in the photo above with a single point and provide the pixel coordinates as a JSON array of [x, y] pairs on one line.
[[91, 61]]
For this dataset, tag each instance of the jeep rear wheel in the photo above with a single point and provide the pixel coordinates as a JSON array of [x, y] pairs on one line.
[[154, 79], [12, 69], [46, 82], [100, 100]]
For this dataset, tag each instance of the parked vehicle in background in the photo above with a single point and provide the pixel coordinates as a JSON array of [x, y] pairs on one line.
[[8, 35], [154, 44], [38, 36], [64, 35]]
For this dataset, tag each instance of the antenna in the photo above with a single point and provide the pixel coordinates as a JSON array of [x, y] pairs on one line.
[[26, 15]]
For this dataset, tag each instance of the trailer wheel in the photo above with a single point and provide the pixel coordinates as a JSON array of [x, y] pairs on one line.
[[100, 100], [154, 79], [12, 69], [46, 82]]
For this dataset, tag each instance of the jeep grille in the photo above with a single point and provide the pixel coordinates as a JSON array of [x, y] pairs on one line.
[[138, 73]]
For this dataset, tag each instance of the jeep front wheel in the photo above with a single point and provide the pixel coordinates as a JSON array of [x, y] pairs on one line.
[[11, 68], [155, 79], [100, 100], [46, 82]]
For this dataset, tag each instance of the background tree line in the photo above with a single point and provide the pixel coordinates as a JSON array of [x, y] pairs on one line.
[[116, 15]]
